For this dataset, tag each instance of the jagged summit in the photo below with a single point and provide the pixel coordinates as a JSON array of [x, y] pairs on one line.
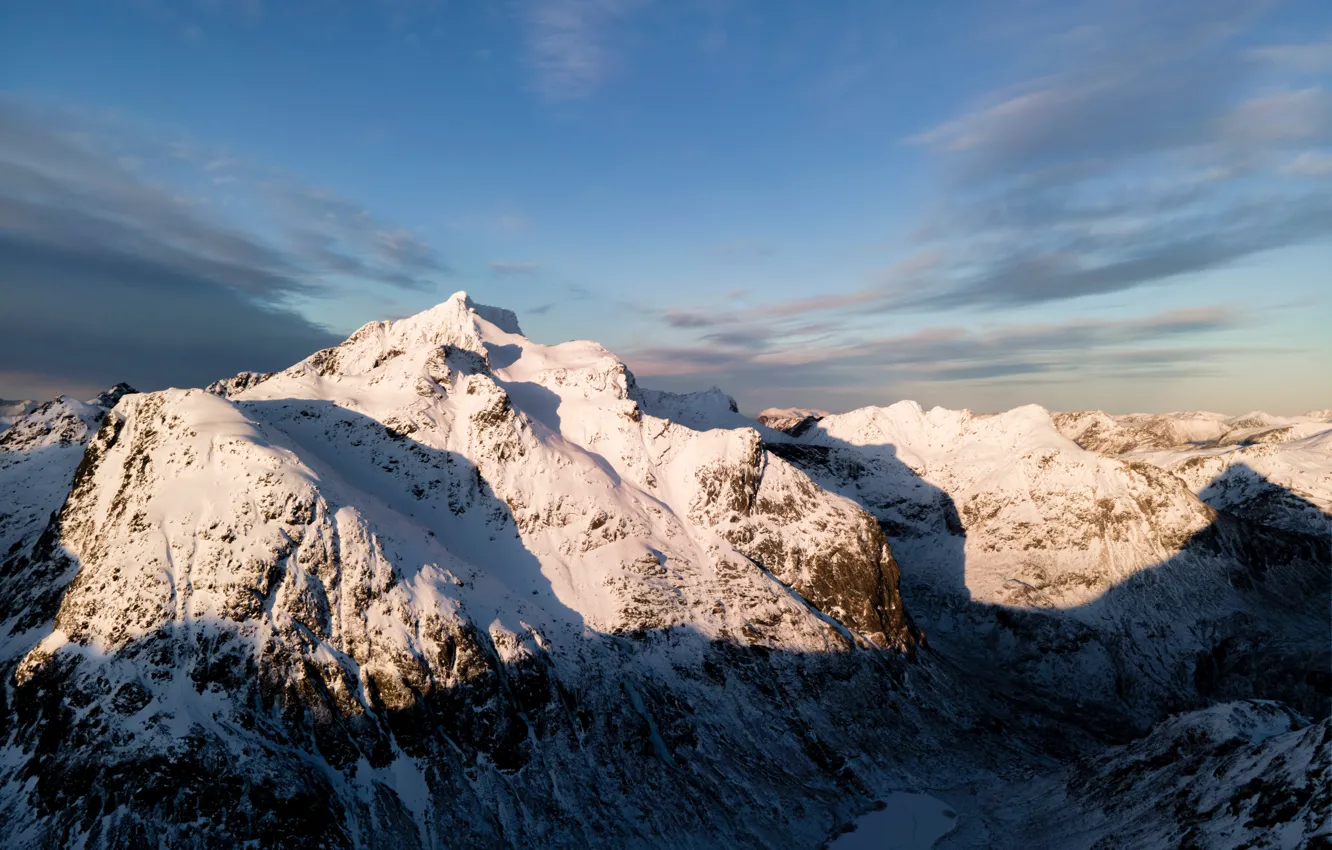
[[63, 420], [450, 316], [790, 420], [109, 398]]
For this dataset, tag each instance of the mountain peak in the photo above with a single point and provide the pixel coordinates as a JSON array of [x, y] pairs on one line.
[[455, 318], [109, 397], [505, 320]]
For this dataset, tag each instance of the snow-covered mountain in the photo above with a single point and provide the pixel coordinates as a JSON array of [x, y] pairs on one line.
[[11, 410], [442, 586], [1274, 470], [789, 419], [1285, 484], [1099, 431], [1076, 573]]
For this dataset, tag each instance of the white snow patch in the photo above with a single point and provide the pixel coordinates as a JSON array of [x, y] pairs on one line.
[[907, 821]]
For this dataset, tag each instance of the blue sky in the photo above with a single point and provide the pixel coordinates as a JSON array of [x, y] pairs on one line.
[[1121, 205]]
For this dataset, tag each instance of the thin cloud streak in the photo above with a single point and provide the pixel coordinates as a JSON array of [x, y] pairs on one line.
[[569, 45], [1308, 58], [938, 353], [514, 267]]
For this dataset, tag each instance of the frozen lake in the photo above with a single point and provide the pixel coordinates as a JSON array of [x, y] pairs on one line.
[[906, 822]]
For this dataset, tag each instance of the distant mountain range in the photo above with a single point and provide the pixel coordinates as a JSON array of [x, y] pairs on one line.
[[441, 586]]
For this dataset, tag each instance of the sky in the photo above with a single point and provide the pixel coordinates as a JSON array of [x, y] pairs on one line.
[[1114, 205]]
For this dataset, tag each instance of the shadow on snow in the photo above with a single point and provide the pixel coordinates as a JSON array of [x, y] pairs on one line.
[[1242, 610]]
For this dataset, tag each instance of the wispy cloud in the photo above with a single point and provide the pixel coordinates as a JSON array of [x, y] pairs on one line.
[[741, 251], [1310, 164], [513, 267], [61, 193], [1155, 151], [1308, 58], [744, 359], [107, 245], [332, 235], [693, 318], [1155, 156], [1285, 117], [570, 45]]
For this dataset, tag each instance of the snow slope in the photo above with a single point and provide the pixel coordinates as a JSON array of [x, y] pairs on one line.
[[1286, 484], [906, 822]]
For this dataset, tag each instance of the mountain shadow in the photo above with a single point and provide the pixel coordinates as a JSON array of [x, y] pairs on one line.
[[1243, 492], [1241, 610]]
